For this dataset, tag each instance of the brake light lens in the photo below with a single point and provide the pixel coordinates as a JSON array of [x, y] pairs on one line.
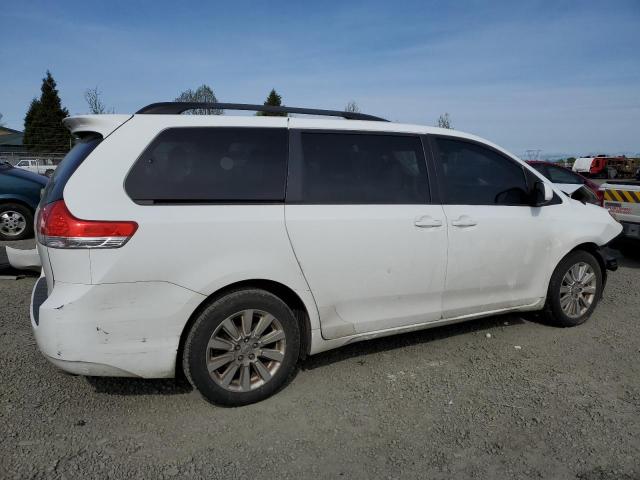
[[58, 228]]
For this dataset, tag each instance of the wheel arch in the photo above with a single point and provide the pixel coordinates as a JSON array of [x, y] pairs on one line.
[[19, 200], [593, 249], [280, 290]]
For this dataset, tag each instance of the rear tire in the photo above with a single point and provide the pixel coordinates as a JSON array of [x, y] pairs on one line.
[[574, 290], [16, 222], [242, 348]]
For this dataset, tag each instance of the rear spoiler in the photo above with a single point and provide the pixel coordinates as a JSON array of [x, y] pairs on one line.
[[102, 124]]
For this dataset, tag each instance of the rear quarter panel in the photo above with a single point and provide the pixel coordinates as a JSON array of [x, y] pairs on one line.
[[199, 247]]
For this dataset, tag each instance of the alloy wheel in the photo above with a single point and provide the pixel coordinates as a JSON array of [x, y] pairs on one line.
[[246, 350], [578, 290]]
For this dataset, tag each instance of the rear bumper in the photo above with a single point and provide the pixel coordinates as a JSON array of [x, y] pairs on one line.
[[124, 329], [24, 259]]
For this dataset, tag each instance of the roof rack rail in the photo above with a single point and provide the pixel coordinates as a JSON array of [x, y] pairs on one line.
[[175, 108]]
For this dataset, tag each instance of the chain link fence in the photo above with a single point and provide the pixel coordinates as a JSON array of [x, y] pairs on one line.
[[52, 158]]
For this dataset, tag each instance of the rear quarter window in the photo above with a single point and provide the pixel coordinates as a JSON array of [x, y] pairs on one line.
[[211, 164], [80, 151]]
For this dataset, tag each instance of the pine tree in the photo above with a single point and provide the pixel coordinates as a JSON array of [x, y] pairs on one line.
[[43, 129], [273, 100], [444, 121]]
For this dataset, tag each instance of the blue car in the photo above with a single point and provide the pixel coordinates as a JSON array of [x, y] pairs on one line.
[[19, 197]]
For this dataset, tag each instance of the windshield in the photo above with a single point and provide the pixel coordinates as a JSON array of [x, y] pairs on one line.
[[562, 175]]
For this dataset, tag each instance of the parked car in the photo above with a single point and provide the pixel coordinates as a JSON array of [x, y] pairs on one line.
[[568, 181], [230, 247], [19, 197], [36, 165], [622, 199]]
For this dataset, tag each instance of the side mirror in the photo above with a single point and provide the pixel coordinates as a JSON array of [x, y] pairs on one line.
[[542, 193]]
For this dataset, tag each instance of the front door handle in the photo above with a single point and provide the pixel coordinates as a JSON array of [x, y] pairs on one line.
[[427, 221], [464, 221]]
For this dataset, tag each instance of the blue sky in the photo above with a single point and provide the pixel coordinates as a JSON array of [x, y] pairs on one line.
[[561, 76]]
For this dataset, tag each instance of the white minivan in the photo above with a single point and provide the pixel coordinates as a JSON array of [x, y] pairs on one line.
[[230, 247]]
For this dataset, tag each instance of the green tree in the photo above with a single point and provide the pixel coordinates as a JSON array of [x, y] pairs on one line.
[[202, 94], [273, 100], [43, 129]]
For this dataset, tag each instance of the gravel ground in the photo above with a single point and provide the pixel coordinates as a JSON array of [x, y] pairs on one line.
[[528, 401]]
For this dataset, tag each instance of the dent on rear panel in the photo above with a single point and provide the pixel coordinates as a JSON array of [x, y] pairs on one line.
[[132, 317]]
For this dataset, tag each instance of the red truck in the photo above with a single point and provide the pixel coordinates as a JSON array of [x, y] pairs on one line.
[[603, 166]]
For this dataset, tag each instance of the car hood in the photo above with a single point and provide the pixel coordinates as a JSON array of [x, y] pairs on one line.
[[26, 175], [568, 188]]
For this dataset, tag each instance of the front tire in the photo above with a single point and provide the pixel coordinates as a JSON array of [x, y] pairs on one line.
[[242, 348], [574, 290]]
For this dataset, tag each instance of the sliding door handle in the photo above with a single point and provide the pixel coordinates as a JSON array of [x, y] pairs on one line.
[[427, 221], [464, 221]]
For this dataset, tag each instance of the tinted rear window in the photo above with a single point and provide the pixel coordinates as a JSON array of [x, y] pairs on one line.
[[62, 174], [345, 168], [211, 164]]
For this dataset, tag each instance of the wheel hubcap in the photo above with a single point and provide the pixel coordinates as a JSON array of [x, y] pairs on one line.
[[246, 350], [12, 223], [578, 290]]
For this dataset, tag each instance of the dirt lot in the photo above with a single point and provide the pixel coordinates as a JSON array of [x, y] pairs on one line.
[[530, 401]]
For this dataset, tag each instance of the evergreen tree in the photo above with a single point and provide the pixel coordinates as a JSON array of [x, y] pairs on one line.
[[43, 129], [444, 121], [273, 100]]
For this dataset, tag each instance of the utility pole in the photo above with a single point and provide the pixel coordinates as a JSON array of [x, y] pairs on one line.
[[532, 154]]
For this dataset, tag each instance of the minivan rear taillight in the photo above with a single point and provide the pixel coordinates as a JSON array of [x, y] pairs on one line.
[[58, 228]]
